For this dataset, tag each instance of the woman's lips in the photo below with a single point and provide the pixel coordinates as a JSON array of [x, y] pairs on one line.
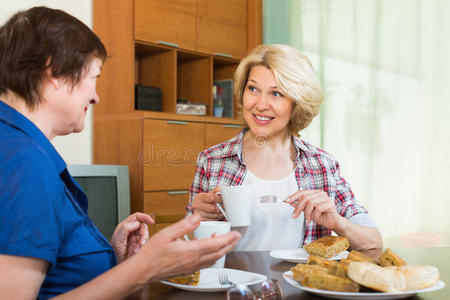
[[262, 120]]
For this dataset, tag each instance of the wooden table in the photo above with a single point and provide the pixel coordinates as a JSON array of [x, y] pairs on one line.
[[261, 262]]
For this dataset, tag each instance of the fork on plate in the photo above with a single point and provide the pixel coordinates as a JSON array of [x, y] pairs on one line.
[[223, 279]]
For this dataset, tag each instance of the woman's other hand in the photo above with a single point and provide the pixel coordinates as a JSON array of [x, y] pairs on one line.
[[317, 207], [205, 205], [130, 235], [167, 254]]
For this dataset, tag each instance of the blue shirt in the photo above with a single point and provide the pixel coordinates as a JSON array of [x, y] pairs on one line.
[[43, 211]]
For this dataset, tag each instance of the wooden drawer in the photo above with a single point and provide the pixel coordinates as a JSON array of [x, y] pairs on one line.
[[169, 154], [171, 203], [217, 133], [172, 21], [165, 208]]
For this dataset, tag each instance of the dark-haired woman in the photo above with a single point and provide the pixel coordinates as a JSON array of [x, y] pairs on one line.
[[50, 62]]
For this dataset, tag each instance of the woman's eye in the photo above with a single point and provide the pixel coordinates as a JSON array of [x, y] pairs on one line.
[[277, 94], [252, 88]]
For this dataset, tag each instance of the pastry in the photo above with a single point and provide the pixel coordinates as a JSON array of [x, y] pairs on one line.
[[358, 256], [329, 282], [376, 277], [389, 258], [300, 270], [330, 265], [327, 246], [190, 279], [342, 267]]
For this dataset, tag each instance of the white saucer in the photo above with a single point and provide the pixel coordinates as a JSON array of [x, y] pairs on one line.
[[299, 255]]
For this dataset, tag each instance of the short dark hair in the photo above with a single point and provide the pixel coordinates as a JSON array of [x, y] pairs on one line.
[[40, 39]]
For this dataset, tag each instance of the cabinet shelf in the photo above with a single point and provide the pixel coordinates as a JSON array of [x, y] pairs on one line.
[[180, 73]]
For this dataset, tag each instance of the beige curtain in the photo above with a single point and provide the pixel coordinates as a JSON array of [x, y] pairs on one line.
[[385, 71]]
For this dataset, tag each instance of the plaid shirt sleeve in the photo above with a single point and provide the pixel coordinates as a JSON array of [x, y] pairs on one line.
[[200, 183], [337, 189]]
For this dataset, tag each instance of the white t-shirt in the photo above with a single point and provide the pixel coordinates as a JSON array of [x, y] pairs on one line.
[[272, 225]]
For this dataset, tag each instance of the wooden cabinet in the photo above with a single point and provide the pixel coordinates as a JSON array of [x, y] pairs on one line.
[[210, 26], [217, 133], [171, 149], [165, 207], [170, 22], [171, 45], [222, 27]]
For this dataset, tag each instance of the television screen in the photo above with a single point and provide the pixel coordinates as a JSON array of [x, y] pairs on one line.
[[107, 190]]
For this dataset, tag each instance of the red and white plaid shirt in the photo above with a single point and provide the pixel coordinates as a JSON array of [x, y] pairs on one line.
[[315, 169]]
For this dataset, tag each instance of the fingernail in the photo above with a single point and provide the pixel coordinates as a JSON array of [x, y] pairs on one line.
[[135, 223], [143, 241]]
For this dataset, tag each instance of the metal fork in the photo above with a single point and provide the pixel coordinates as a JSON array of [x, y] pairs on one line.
[[268, 199], [223, 279]]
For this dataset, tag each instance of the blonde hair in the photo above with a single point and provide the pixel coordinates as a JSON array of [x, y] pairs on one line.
[[294, 75]]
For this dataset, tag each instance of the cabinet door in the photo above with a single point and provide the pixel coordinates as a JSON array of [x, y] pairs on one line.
[[222, 27], [217, 133], [171, 21], [169, 154], [166, 208]]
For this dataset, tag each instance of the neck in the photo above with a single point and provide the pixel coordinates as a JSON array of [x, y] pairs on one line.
[[282, 141], [37, 115]]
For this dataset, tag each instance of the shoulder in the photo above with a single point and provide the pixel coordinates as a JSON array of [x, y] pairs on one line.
[[313, 153], [223, 150], [21, 152]]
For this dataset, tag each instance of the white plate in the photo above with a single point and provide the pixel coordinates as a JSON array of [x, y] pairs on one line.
[[209, 280], [299, 255], [362, 296]]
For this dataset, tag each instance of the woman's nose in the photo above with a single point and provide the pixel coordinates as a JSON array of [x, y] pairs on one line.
[[95, 99], [263, 102]]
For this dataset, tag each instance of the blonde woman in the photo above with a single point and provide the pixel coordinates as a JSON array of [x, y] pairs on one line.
[[280, 95]]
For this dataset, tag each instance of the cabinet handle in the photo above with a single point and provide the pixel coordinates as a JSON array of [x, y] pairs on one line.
[[168, 44], [177, 122], [231, 126], [171, 193], [223, 55]]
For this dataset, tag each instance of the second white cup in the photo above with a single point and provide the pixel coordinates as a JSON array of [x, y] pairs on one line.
[[206, 229]]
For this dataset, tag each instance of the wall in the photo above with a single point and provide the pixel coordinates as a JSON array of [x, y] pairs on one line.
[[74, 148]]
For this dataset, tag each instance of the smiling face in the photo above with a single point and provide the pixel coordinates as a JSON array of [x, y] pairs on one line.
[[71, 107], [265, 109]]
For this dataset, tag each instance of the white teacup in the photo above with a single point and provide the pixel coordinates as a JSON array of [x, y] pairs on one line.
[[206, 229], [238, 203]]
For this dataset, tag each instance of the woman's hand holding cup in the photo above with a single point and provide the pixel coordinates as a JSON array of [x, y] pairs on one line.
[[205, 204]]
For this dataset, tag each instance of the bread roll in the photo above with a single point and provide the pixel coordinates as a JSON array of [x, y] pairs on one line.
[[376, 277], [419, 277]]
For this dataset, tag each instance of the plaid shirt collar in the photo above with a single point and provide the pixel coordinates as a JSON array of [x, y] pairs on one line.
[[233, 147]]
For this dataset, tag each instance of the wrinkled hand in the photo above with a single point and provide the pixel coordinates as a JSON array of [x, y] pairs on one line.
[[317, 207], [204, 204], [170, 255], [130, 235]]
